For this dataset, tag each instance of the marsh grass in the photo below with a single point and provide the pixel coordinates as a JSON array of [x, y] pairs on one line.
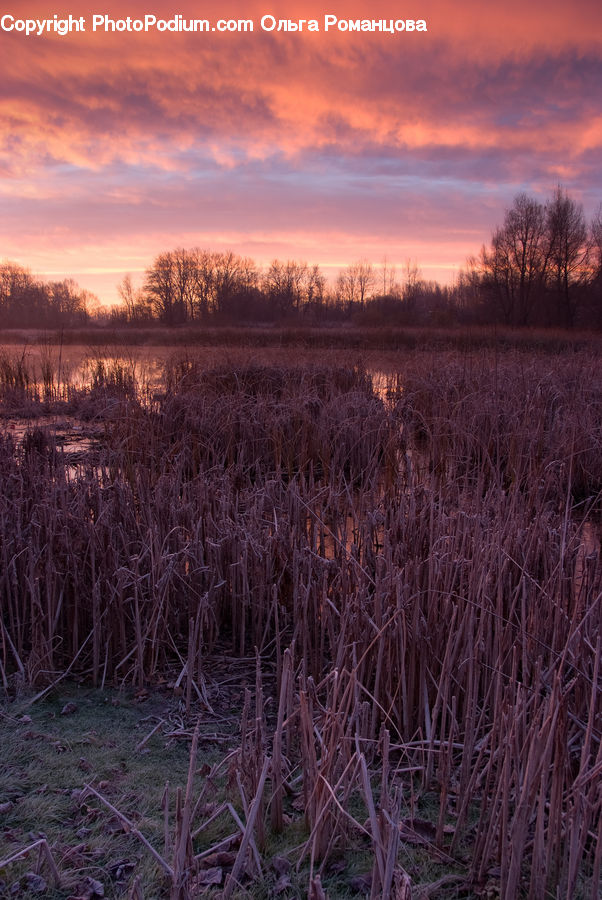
[[327, 335], [76, 736], [409, 567]]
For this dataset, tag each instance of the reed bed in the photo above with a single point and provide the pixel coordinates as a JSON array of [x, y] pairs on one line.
[[30, 389], [324, 334], [411, 566]]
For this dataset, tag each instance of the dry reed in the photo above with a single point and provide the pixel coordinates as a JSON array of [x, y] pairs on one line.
[[413, 565]]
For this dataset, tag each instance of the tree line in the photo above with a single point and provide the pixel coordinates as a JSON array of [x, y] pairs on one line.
[[196, 285], [28, 302], [543, 267]]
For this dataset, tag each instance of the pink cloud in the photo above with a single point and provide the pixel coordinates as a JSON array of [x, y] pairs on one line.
[[321, 146]]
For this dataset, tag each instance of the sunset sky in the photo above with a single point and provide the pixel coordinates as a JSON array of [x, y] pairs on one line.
[[322, 147]]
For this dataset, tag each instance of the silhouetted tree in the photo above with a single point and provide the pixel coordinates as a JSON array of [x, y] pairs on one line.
[[567, 253], [26, 301], [514, 268], [355, 283], [136, 305], [161, 288], [285, 284]]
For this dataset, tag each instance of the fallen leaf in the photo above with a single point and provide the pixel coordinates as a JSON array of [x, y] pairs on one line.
[[222, 858], [210, 876], [422, 827], [417, 831], [36, 835], [402, 886], [112, 826], [34, 882], [12, 834], [92, 888], [121, 868]]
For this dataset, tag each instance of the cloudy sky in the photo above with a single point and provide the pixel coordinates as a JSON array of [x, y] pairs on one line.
[[322, 147]]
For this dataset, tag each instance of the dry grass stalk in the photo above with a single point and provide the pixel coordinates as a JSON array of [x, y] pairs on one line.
[[44, 853], [130, 827], [183, 854], [248, 832], [276, 811], [422, 557]]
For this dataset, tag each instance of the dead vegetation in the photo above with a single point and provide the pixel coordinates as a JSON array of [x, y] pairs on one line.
[[410, 569]]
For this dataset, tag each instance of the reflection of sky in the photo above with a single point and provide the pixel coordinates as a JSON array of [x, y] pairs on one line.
[[326, 148]]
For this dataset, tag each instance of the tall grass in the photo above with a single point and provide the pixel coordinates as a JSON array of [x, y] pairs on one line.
[[326, 334], [412, 565], [30, 390]]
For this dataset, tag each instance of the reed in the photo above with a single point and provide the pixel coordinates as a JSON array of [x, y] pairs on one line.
[[412, 564]]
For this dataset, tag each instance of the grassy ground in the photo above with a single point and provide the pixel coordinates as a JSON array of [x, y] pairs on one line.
[[76, 736], [50, 751]]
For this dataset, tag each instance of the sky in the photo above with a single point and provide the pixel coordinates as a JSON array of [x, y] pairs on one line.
[[324, 147]]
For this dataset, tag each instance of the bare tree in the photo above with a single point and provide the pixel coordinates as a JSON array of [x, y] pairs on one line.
[[27, 301], [183, 262], [389, 285], [355, 283], [412, 280], [160, 288], [567, 252], [16, 283], [135, 301], [365, 278], [204, 283], [125, 289], [285, 284], [516, 264], [347, 289], [316, 286]]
